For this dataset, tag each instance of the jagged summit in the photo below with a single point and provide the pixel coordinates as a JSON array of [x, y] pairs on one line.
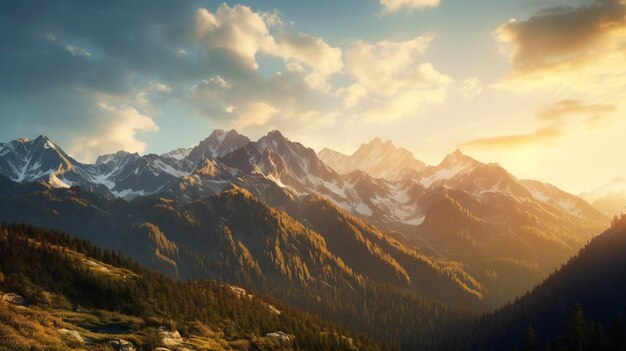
[[381, 159], [457, 157], [275, 134], [218, 144]]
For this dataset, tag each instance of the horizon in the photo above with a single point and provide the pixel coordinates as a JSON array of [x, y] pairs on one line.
[[317, 151]]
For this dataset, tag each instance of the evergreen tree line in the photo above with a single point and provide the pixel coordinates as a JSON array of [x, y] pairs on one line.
[[550, 316], [582, 335]]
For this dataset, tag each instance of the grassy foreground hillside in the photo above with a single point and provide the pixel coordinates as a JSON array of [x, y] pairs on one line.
[[62, 293]]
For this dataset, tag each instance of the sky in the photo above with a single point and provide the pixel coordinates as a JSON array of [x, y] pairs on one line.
[[537, 86]]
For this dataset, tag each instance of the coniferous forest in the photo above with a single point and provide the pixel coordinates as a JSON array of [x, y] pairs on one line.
[[51, 269]]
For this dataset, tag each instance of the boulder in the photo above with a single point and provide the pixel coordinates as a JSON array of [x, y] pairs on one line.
[[122, 345], [169, 338], [15, 299], [71, 335], [279, 335]]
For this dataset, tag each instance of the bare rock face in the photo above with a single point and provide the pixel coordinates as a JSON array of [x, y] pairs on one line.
[[15, 299]]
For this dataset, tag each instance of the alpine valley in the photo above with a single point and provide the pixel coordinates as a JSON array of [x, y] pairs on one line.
[[376, 242]]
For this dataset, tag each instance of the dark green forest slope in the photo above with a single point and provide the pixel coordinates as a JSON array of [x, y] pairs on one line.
[[579, 307]]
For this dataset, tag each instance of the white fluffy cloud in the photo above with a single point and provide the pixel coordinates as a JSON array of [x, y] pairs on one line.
[[245, 33], [397, 5], [237, 29], [117, 130], [401, 83]]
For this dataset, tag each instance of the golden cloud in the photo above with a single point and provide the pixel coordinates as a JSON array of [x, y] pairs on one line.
[[570, 48], [515, 140], [396, 79], [592, 113], [558, 115]]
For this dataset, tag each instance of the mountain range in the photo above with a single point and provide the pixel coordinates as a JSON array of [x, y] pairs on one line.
[[473, 227]]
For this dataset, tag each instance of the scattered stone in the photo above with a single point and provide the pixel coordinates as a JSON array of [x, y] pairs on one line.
[[15, 299], [71, 335], [279, 335], [122, 345], [273, 309], [169, 338]]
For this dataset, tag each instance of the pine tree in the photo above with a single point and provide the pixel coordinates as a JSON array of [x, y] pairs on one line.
[[530, 339], [576, 340]]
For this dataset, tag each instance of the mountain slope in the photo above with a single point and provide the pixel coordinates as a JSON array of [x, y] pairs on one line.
[[371, 253], [610, 198], [508, 233], [116, 299], [129, 175], [593, 279], [237, 238]]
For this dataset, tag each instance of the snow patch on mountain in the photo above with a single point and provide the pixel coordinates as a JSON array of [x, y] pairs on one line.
[[178, 154]]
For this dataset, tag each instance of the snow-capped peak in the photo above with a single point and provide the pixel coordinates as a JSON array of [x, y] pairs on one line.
[[380, 159]]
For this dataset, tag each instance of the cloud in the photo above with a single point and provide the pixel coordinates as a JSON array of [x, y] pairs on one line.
[[255, 113], [409, 102], [516, 140], [237, 29], [559, 116], [117, 131], [568, 48], [394, 73], [593, 114], [396, 5], [314, 52], [245, 33], [351, 95]]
